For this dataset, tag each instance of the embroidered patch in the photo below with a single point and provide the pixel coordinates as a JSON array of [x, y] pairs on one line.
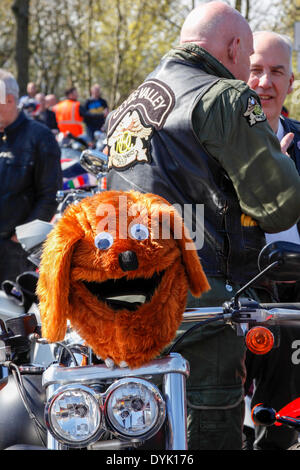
[[129, 143], [131, 126], [254, 112]]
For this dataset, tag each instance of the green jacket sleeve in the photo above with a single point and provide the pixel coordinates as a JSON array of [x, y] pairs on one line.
[[266, 181]]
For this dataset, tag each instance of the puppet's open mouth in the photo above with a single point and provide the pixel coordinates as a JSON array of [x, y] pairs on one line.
[[125, 293]]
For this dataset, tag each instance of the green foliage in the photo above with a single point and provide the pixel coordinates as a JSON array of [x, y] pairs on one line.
[[139, 33], [7, 37], [80, 42], [117, 42]]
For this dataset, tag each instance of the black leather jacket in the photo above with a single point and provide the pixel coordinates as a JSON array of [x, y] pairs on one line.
[[30, 174], [179, 169], [196, 136], [291, 125]]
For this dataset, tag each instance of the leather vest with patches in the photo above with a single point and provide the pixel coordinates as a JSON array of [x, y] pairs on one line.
[[153, 148]]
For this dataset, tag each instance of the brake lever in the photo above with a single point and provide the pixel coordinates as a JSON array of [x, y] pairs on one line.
[[246, 310]]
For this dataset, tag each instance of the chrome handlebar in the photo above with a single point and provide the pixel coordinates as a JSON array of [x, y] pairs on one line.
[[244, 315]]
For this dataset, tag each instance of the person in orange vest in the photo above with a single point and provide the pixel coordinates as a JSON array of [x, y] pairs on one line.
[[69, 113]]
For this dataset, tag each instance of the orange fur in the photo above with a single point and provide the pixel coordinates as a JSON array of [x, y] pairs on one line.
[[70, 258]]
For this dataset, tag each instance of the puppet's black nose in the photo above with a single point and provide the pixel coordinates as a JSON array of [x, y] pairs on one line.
[[128, 261]]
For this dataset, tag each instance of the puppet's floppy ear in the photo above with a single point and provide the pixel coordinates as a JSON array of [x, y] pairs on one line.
[[54, 280], [198, 282]]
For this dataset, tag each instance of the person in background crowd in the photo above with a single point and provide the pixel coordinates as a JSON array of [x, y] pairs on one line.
[[277, 377], [69, 113], [30, 176], [195, 133], [44, 114], [97, 109], [51, 101], [30, 97], [30, 107]]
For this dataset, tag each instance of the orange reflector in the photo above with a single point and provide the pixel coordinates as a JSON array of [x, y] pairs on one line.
[[259, 340]]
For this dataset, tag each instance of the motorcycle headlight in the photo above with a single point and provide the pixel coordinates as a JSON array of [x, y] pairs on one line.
[[134, 408], [73, 415]]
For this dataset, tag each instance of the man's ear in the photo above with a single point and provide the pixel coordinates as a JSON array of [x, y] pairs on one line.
[[233, 48], [10, 99], [291, 83]]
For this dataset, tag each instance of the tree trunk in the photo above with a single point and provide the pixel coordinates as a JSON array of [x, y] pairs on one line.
[[247, 10], [20, 9], [238, 5]]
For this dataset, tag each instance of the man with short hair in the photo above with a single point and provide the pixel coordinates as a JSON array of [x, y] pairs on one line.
[[30, 175], [277, 378], [96, 109], [69, 113], [30, 97], [195, 133], [44, 114], [51, 101]]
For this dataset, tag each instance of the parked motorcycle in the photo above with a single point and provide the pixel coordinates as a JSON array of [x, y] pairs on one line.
[[71, 146], [94, 163], [288, 416], [74, 176], [18, 299], [78, 402]]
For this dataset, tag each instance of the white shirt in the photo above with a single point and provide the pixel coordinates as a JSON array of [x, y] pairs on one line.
[[292, 234]]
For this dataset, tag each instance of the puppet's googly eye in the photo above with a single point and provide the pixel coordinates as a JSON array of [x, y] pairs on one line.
[[104, 240], [139, 232]]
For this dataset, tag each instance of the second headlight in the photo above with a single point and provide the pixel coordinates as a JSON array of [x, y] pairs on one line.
[[134, 408]]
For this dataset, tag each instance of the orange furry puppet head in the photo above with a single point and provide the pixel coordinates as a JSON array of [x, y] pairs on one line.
[[113, 267]]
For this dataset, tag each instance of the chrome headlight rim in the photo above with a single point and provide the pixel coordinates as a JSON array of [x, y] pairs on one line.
[[161, 416], [48, 420]]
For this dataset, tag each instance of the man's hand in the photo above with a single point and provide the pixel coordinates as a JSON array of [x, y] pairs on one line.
[[286, 142]]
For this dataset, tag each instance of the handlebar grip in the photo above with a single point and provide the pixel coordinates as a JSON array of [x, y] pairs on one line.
[[288, 306]]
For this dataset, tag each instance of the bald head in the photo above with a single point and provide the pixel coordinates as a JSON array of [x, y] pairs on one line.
[[271, 72], [31, 89], [50, 100], [267, 39], [223, 32]]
